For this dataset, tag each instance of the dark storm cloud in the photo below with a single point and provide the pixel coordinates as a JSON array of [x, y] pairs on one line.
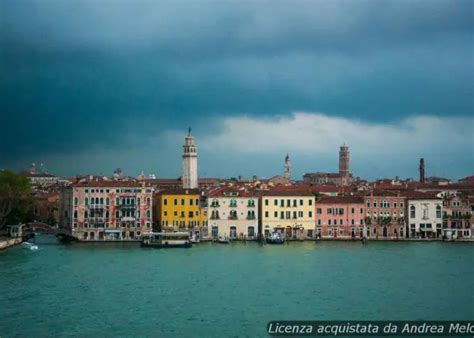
[[80, 75]]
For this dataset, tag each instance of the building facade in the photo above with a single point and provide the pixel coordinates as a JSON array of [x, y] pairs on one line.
[[385, 214], [181, 210], [340, 217], [457, 217], [288, 212], [106, 210], [190, 163], [233, 213], [425, 216]]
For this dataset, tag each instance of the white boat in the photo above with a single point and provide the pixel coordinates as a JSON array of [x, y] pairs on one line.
[[194, 239], [30, 246], [166, 240], [223, 239]]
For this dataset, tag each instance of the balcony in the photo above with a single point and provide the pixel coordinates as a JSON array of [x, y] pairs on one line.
[[214, 217], [250, 216], [250, 205], [233, 205], [233, 217], [215, 205]]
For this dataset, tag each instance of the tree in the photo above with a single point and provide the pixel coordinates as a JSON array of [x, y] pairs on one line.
[[16, 199]]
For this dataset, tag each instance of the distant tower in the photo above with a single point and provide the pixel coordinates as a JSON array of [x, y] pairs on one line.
[[33, 168], [344, 161], [422, 170], [287, 170], [190, 163]]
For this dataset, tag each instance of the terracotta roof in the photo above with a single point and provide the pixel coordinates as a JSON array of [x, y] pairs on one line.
[[180, 192], [284, 192], [110, 184], [340, 200], [416, 195], [221, 192]]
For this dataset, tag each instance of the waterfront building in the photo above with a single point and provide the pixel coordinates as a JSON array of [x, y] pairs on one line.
[[40, 179], [181, 210], [233, 213], [96, 210], [425, 215], [190, 163], [342, 178], [287, 211], [340, 217], [457, 216], [385, 214], [287, 168]]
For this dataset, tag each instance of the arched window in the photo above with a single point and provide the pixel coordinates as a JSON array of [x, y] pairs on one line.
[[86, 214], [148, 201], [107, 214], [101, 200], [76, 201], [148, 213], [412, 212], [107, 201], [86, 201]]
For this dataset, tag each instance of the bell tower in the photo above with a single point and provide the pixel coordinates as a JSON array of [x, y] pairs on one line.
[[190, 169]]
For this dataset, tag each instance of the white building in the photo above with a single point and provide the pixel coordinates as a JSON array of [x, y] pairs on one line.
[[190, 163], [425, 216], [233, 213]]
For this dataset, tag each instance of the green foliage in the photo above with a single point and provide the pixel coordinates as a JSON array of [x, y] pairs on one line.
[[16, 199]]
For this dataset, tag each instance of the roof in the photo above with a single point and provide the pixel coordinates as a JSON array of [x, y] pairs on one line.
[[225, 192], [180, 192], [340, 200], [110, 184], [286, 192], [416, 195]]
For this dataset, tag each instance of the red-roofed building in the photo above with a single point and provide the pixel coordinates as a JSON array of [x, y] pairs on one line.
[[340, 217]]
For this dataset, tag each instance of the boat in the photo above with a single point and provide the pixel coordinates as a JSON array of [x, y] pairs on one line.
[[194, 239], [30, 246], [164, 240], [275, 238], [223, 239]]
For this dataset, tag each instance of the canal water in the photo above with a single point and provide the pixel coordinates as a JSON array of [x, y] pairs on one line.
[[216, 290]]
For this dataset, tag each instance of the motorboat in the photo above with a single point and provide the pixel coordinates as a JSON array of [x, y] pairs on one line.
[[194, 239], [164, 240], [30, 246], [275, 238], [223, 239]]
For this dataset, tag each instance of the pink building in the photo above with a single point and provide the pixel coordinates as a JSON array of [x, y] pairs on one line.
[[99, 210], [386, 214], [458, 219], [340, 217]]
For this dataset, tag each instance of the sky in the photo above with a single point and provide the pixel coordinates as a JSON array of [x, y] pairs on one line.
[[89, 86]]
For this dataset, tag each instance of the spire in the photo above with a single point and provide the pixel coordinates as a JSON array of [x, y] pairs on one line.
[[189, 131]]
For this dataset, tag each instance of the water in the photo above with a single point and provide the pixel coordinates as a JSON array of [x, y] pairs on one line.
[[215, 290]]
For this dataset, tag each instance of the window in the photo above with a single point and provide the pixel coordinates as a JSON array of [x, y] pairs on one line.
[[300, 214], [319, 222], [310, 214], [182, 201], [294, 214], [175, 202], [191, 214], [75, 213], [275, 214], [86, 201], [329, 211], [438, 211], [352, 210], [76, 201], [190, 202], [266, 213], [352, 222], [275, 202], [301, 202], [329, 222], [412, 211], [107, 201], [318, 211], [282, 215], [310, 202], [250, 231]]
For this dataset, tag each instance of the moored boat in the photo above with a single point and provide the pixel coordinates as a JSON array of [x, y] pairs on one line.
[[275, 238], [223, 239], [163, 240], [194, 239], [30, 246]]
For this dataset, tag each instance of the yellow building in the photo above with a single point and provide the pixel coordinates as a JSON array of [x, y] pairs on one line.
[[180, 210], [289, 212]]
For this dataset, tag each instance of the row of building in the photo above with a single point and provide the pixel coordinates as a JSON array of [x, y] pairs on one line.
[[125, 209], [321, 206]]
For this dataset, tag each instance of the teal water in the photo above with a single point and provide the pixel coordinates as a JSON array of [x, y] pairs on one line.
[[215, 290]]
